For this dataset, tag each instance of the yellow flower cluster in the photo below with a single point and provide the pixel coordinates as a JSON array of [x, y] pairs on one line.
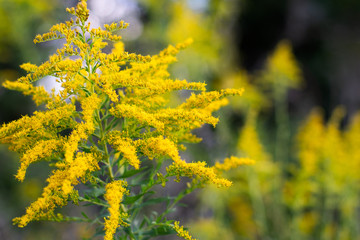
[[43, 149], [38, 93], [89, 105], [282, 67], [185, 22], [199, 171], [205, 98], [253, 98], [83, 130], [351, 138], [104, 34], [82, 163], [126, 147], [329, 162], [181, 232], [114, 195], [322, 147], [232, 162], [155, 147], [60, 186], [116, 26], [310, 141], [123, 110], [23, 134], [46, 37], [80, 11], [250, 146], [249, 143], [137, 113]]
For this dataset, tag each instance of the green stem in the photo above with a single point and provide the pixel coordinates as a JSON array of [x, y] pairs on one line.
[[180, 196], [146, 189], [257, 202], [81, 199], [282, 125], [108, 160]]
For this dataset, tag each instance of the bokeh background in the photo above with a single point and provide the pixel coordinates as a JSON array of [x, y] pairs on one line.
[[291, 56]]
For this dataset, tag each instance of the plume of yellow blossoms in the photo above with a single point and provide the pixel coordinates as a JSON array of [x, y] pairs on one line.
[[181, 232], [328, 172], [282, 68], [110, 115], [114, 194]]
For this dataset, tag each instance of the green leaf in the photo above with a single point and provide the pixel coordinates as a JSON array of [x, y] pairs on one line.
[[132, 199], [131, 173], [85, 90], [94, 192], [84, 215], [146, 220], [153, 201], [129, 232], [114, 122], [160, 231]]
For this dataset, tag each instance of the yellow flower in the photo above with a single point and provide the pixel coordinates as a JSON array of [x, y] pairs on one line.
[[126, 147], [22, 134], [83, 130], [40, 151], [60, 186], [158, 146], [39, 94], [308, 222], [197, 170], [114, 195], [252, 98], [334, 150], [310, 139], [232, 162], [80, 11], [134, 112], [351, 140], [282, 67], [249, 143], [187, 23], [181, 232], [89, 106], [119, 90]]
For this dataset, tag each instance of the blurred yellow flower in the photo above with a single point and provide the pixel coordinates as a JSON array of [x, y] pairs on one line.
[[282, 68]]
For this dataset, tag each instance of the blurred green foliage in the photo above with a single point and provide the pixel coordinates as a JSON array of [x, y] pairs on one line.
[[20, 20]]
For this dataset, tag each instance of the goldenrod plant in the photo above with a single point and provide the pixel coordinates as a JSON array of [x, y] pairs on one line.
[[325, 206], [254, 208], [312, 191], [282, 71], [110, 130]]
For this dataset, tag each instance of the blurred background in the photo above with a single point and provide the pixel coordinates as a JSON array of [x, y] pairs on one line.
[[298, 62]]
